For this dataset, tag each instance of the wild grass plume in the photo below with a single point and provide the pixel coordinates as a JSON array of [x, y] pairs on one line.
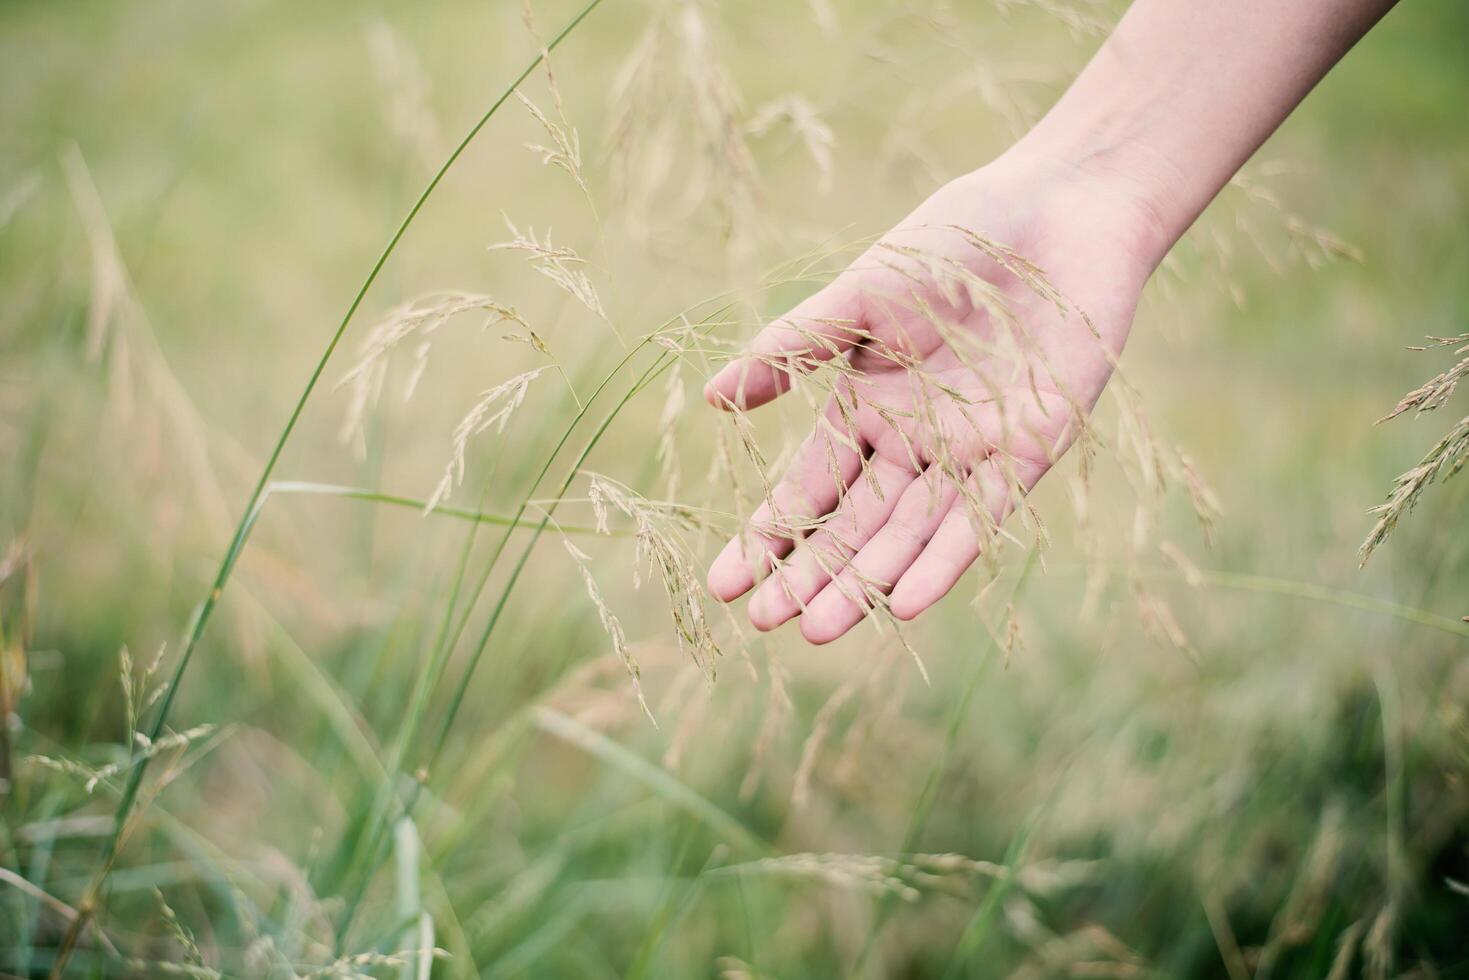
[[420, 675]]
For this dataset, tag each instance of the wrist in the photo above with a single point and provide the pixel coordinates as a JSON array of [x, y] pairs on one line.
[[1135, 193]]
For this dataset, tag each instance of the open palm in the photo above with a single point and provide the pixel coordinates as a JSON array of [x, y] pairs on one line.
[[962, 352]]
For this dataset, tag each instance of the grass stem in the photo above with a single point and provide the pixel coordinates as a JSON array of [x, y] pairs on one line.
[[86, 907]]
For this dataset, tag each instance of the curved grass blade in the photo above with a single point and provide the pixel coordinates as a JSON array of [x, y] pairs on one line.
[[414, 503], [659, 780], [87, 905]]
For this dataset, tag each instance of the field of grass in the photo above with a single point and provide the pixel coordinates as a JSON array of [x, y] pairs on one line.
[[408, 744]]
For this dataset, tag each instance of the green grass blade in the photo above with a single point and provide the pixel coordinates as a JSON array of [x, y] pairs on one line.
[[659, 780], [414, 503], [201, 619]]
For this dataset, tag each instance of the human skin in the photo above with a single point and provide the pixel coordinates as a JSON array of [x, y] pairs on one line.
[[1175, 101]]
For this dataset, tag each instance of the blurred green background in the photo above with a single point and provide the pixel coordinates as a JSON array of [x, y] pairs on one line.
[[1133, 769]]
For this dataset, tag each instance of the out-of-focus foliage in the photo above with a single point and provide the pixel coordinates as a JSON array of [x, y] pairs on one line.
[[1156, 749]]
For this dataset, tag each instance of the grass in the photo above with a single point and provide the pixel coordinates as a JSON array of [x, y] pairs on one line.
[[200, 621], [414, 739]]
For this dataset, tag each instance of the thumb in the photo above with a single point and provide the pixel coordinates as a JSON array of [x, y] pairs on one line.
[[819, 328]]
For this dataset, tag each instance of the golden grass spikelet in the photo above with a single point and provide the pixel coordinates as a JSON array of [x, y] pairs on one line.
[[557, 263], [181, 935], [146, 399], [1446, 457], [870, 874], [1207, 508], [92, 777], [1304, 241], [357, 965], [492, 409], [1013, 639], [913, 875], [691, 152], [137, 696], [1437, 390], [658, 528], [610, 624], [418, 319], [565, 149]]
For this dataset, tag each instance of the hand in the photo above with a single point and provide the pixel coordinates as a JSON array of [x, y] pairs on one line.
[[960, 366]]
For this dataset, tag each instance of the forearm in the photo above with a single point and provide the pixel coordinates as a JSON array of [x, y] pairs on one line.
[[1185, 91]]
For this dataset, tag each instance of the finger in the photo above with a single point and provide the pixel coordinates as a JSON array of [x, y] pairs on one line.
[[882, 561], [960, 538], [819, 328], [825, 465], [863, 510]]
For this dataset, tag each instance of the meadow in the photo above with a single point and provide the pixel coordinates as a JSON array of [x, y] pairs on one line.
[[441, 693]]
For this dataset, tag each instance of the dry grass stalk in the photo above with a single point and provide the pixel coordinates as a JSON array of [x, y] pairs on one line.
[[681, 158], [659, 528], [358, 965], [565, 150], [916, 874], [1305, 241], [138, 696], [146, 401], [92, 777], [182, 936], [610, 624], [1447, 456], [557, 263], [416, 320], [492, 409], [1013, 639]]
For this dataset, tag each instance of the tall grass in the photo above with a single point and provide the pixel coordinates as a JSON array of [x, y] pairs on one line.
[[138, 769], [1115, 760]]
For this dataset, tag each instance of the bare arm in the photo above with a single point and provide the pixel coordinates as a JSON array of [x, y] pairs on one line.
[[948, 408], [1184, 91]]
